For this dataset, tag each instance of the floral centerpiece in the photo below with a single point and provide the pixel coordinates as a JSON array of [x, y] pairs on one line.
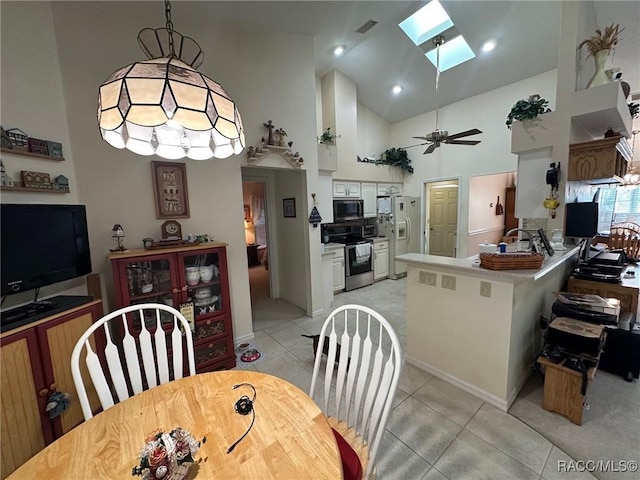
[[167, 456]]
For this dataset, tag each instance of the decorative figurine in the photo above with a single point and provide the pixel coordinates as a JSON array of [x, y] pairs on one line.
[[290, 144], [117, 232], [270, 126], [251, 152], [7, 181], [282, 135]]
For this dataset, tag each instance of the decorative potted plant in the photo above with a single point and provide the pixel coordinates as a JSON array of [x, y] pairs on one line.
[[527, 109], [397, 157], [599, 46], [327, 137]]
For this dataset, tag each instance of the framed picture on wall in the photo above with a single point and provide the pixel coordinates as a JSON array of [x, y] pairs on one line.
[[170, 189], [289, 207]]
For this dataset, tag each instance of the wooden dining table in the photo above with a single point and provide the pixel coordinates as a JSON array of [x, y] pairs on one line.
[[290, 438]]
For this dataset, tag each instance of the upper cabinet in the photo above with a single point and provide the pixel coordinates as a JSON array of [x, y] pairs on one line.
[[599, 161], [345, 188], [389, 189], [369, 199]]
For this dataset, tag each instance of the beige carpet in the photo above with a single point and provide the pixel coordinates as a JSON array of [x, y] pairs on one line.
[[610, 428]]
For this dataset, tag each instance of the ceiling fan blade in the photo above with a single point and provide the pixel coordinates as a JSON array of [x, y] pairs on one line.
[[462, 142], [421, 138], [466, 133], [416, 145], [430, 148]]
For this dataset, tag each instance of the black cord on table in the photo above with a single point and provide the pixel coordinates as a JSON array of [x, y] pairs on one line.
[[244, 406]]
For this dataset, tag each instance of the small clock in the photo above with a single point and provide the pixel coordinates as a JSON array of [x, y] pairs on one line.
[[171, 230]]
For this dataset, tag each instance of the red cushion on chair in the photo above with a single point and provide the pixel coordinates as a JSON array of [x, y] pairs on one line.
[[351, 467]]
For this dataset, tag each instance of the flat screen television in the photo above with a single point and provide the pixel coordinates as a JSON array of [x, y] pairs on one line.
[[41, 245], [581, 220]]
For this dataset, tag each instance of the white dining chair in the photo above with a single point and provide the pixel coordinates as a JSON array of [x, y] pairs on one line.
[[365, 380], [140, 350]]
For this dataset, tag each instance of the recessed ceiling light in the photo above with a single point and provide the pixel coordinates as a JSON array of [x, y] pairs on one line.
[[396, 89], [488, 46], [339, 50]]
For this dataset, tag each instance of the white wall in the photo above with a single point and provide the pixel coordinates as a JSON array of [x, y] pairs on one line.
[[32, 100], [262, 71], [373, 133], [488, 112]]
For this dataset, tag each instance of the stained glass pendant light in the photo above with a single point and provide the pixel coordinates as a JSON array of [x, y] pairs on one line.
[[163, 106]]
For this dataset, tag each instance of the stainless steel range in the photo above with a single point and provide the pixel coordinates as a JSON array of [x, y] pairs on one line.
[[358, 257]]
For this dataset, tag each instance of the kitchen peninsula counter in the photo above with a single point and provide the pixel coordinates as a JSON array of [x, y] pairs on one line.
[[477, 328]]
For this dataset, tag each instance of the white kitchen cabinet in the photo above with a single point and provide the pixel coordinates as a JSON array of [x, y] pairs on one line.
[[389, 189], [368, 193], [338, 269], [380, 259], [343, 188]]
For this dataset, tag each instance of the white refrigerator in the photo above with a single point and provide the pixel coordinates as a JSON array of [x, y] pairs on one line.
[[399, 221]]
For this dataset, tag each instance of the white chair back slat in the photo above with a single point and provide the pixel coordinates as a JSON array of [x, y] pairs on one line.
[[98, 378], [343, 361], [353, 370], [372, 389], [129, 350], [160, 341], [367, 395], [146, 350], [176, 349], [363, 373], [131, 358], [112, 356], [331, 362]]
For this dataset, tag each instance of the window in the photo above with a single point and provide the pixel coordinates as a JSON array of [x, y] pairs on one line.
[[618, 205]]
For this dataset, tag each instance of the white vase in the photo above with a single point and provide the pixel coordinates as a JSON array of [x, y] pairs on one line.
[[600, 77]]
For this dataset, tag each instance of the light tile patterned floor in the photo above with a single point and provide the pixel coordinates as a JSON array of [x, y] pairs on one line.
[[436, 431]]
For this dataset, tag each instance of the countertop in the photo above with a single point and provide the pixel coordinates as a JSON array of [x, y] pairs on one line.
[[471, 265]]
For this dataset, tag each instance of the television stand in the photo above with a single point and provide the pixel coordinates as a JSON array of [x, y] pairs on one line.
[[19, 316]]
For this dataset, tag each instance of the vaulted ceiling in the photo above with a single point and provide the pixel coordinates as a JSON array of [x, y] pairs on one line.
[[527, 33]]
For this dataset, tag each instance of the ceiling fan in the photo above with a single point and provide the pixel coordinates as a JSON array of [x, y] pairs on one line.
[[435, 138]]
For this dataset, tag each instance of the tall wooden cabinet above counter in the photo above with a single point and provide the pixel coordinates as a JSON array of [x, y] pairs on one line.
[[174, 276], [600, 161]]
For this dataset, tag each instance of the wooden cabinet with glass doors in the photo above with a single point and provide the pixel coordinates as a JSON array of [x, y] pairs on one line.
[[175, 276]]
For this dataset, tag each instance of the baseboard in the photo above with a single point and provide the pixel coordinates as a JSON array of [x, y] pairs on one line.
[[513, 394], [244, 338], [497, 402]]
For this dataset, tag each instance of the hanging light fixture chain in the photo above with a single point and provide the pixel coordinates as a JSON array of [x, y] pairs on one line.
[[167, 13]]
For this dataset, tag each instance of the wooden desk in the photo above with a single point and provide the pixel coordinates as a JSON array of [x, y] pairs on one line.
[[562, 389], [627, 291], [291, 438]]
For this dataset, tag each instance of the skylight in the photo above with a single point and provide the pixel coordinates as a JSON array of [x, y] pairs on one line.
[[430, 21], [452, 53], [426, 23]]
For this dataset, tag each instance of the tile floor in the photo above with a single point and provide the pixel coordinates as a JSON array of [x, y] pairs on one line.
[[436, 431]]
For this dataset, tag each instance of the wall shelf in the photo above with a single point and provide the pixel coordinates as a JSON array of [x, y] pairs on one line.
[[20, 188], [283, 152], [31, 154]]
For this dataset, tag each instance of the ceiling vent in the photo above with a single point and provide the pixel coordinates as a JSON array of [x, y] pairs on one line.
[[366, 26]]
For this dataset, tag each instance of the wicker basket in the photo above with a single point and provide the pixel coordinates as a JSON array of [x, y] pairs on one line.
[[511, 261]]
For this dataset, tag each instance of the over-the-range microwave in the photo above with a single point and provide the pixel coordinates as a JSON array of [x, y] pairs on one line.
[[347, 209]]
